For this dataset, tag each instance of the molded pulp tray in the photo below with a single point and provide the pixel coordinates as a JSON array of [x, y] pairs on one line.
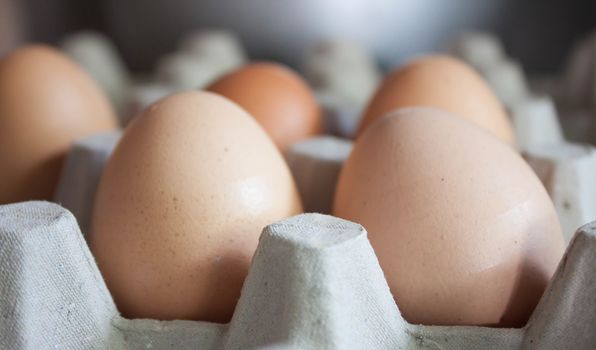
[[314, 283]]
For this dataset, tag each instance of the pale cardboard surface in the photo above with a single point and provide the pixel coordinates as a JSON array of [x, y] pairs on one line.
[[568, 172], [315, 164], [507, 80], [81, 174], [536, 123], [314, 283]]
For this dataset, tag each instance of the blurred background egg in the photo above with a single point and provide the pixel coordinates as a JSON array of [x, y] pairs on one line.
[[442, 82], [464, 230], [181, 205], [46, 102], [277, 97]]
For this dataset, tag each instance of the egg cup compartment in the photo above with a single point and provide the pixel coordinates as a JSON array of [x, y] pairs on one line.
[[315, 164], [314, 283], [340, 121], [536, 123], [81, 173], [141, 95], [568, 172]]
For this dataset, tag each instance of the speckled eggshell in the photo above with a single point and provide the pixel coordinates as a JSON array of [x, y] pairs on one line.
[[46, 102], [277, 97], [441, 82], [181, 205], [464, 230]]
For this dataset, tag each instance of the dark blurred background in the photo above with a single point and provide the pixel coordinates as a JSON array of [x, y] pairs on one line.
[[538, 33]]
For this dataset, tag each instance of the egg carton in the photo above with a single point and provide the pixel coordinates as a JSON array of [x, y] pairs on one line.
[[568, 172], [81, 174], [567, 169], [314, 283], [315, 165], [536, 123]]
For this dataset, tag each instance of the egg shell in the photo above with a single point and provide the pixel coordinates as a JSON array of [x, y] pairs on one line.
[[464, 230], [441, 82], [46, 103], [277, 97], [181, 204]]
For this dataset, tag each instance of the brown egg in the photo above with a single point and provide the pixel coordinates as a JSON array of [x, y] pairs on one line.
[[46, 102], [278, 98], [181, 205], [442, 82], [464, 230]]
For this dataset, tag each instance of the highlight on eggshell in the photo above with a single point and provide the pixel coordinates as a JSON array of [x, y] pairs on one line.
[[46, 102], [442, 82], [464, 230], [277, 97], [181, 205]]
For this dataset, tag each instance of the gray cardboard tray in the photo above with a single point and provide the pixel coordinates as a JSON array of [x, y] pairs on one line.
[[314, 283]]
